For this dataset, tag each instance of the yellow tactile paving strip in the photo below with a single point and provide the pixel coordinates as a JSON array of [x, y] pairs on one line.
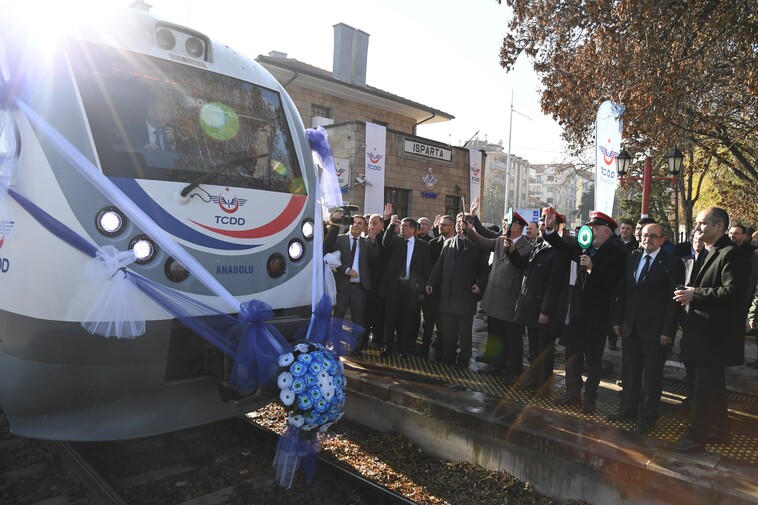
[[669, 429]]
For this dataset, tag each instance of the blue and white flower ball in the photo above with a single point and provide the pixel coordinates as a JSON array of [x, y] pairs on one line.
[[312, 387]]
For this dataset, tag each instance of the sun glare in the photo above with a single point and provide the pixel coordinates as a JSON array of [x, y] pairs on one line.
[[45, 21]]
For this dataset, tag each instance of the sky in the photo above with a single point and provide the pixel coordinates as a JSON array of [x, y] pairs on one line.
[[441, 53]]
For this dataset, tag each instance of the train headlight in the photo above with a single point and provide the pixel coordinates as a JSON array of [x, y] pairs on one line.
[[110, 221], [276, 265], [165, 39], [307, 229], [295, 250], [195, 47], [143, 248], [175, 271]]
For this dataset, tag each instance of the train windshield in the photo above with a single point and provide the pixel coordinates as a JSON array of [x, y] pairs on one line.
[[162, 120]]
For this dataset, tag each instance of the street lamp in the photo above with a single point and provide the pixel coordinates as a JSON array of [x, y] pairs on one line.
[[623, 164], [675, 160]]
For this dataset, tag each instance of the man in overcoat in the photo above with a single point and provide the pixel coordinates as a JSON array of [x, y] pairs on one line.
[[501, 295], [460, 275], [539, 308], [714, 329], [600, 270]]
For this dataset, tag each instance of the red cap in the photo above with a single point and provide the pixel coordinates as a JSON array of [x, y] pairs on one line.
[[518, 219], [597, 217]]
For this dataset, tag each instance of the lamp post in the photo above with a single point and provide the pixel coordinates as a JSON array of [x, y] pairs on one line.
[[508, 157], [624, 161]]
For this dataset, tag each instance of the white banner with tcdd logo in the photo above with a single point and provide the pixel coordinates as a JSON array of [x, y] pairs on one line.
[[475, 174], [607, 147], [376, 139]]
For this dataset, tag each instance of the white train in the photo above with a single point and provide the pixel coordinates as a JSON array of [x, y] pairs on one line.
[[211, 148]]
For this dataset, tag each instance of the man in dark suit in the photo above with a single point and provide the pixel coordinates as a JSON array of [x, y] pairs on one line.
[[626, 235], [500, 297], [539, 308], [460, 275], [352, 276], [714, 329], [600, 271], [375, 303], [646, 321], [404, 284], [431, 304]]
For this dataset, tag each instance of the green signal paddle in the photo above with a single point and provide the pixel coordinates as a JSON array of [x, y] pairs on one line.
[[585, 237]]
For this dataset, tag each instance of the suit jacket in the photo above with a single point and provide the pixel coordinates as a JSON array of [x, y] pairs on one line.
[[455, 272], [393, 283], [504, 282], [343, 244], [630, 246], [714, 330], [589, 311], [435, 248], [545, 276], [648, 307]]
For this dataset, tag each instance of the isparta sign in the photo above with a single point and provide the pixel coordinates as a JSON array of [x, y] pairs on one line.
[[435, 152]]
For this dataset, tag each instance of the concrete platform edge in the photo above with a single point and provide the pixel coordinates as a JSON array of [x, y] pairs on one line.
[[560, 460]]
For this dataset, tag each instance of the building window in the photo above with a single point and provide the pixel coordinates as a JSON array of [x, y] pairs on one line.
[[398, 197], [319, 110], [453, 205]]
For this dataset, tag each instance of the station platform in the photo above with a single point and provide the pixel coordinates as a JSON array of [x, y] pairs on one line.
[[464, 415]]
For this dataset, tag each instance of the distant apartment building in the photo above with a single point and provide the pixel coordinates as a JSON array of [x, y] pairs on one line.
[[494, 203], [557, 185]]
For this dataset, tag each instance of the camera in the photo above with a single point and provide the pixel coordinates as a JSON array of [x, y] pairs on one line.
[[347, 214]]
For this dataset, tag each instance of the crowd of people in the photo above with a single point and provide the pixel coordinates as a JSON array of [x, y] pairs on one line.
[[634, 286]]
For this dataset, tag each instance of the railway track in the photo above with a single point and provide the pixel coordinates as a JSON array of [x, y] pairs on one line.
[[175, 479]]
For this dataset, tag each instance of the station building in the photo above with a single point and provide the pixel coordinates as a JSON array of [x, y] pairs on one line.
[[421, 177]]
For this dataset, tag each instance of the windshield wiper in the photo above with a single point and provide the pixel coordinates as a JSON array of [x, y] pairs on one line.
[[217, 169]]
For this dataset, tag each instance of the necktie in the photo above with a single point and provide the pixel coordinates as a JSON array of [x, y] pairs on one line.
[[644, 270], [158, 138], [352, 250]]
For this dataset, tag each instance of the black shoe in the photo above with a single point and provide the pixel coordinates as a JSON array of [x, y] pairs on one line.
[[567, 400], [543, 392], [645, 427], [461, 366], [686, 446], [510, 378], [525, 385], [621, 416], [719, 438], [491, 370], [588, 407]]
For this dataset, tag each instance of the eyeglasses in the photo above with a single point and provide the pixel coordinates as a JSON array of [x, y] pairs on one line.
[[650, 235]]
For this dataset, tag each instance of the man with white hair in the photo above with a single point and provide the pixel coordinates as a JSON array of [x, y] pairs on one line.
[[600, 269]]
